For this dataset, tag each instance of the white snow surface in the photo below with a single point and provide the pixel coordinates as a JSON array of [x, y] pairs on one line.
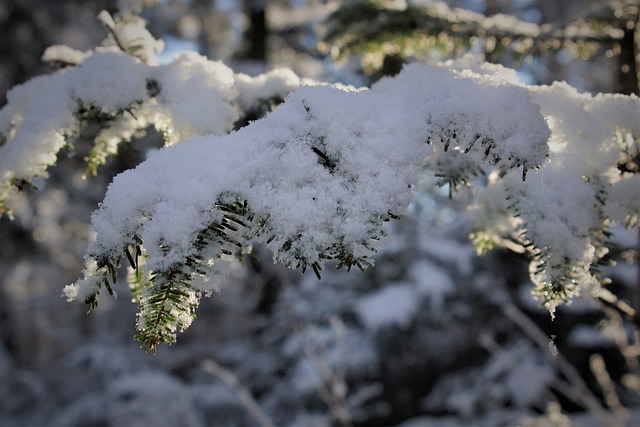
[[265, 86], [195, 97], [99, 81], [64, 54], [324, 169]]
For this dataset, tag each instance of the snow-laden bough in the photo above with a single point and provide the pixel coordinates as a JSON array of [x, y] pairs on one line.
[[315, 180]]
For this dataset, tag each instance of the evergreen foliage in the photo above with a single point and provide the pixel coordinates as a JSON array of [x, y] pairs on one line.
[[386, 33], [317, 179]]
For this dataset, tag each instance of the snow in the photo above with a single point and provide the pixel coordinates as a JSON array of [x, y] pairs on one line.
[[195, 97], [519, 140], [393, 305], [63, 54], [312, 169], [85, 287], [432, 282], [470, 62], [99, 81], [579, 190], [373, 147], [132, 37], [39, 113], [265, 86], [36, 129], [322, 173], [624, 206]]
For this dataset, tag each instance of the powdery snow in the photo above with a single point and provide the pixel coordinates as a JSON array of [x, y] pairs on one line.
[[195, 97], [188, 97], [561, 208], [312, 169]]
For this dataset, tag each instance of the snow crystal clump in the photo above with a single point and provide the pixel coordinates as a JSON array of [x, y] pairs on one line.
[[265, 86], [478, 123], [64, 54], [195, 97], [474, 63], [99, 81]]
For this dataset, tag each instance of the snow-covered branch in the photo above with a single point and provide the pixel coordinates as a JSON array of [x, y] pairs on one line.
[[314, 180], [123, 93], [562, 212]]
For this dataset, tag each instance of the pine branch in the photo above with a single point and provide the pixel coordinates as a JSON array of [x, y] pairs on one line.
[[168, 305], [368, 26], [49, 113], [342, 194], [105, 271], [168, 301]]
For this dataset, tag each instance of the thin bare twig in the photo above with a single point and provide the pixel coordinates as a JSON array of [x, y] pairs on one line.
[[249, 402], [333, 388], [610, 300], [575, 388], [599, 369]]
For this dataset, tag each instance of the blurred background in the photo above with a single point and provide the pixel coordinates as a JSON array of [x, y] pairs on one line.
[[434, 335]]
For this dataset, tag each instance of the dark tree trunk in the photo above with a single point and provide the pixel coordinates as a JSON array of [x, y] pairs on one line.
[[628, 69], [257, 31]]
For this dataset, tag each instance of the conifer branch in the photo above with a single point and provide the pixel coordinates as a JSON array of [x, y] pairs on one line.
[[169, 304]]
